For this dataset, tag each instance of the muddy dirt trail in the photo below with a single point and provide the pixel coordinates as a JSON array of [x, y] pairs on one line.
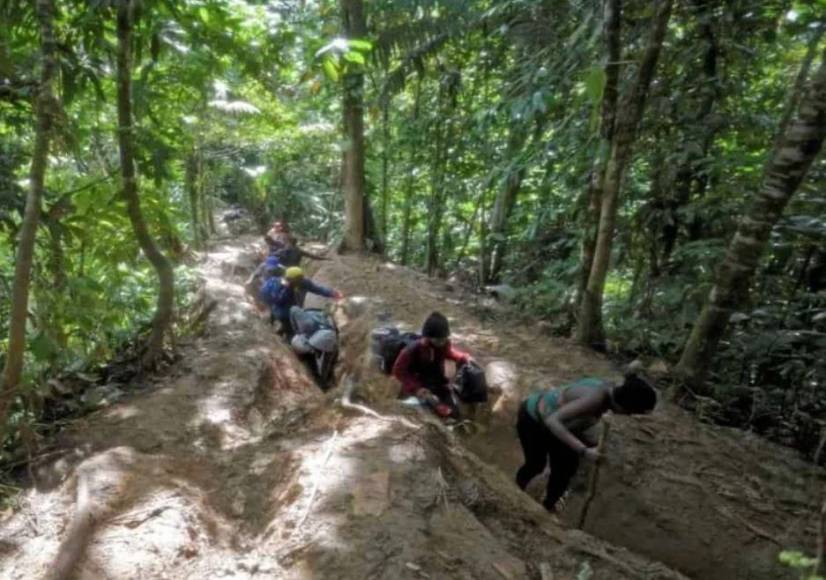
[[232, 464], [711, 502]]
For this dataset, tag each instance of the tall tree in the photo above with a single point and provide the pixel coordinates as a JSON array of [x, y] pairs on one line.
[[789, 162], [355, 27], [589, 327], [612, 31], [44, 107], [191, 182], [129, 191], [505, 201]]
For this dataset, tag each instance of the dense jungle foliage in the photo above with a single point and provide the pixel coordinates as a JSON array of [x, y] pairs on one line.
[[595, 156]]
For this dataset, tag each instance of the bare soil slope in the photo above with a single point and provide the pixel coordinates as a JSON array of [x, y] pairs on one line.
[[714, 503], [233, 465]]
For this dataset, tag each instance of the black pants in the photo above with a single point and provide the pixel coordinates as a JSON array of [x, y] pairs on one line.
[[539, 446]]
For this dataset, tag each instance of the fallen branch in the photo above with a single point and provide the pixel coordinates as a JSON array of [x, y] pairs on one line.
[[594, 480], [317, 480], [77, 535]]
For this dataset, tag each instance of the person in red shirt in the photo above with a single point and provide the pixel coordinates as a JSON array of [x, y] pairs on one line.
[[420, 367]]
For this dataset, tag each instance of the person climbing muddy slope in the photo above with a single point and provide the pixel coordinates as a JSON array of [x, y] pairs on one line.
[[315, 341], [553, 426], [281, 294], [420, 367]]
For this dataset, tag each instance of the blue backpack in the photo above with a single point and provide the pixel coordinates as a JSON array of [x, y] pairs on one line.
[[271, 291]]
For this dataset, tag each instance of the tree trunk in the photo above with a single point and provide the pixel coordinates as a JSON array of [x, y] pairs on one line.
[[589, 327], [612, 28], [203, 217], [43, 108], [407, 214], [434, 216], [385, 163], [503, 205], [192, 192], [692, 175], [353, 114], [163, 268], [785, 170]]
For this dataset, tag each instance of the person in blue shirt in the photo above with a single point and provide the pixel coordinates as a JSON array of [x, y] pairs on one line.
[[553, 425], [281, 294]]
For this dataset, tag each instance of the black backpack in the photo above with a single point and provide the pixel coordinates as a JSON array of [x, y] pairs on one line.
[[470, 383], [388, 342], [288, 256]]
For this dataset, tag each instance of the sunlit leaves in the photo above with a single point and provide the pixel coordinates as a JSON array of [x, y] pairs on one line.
[[342, 55]]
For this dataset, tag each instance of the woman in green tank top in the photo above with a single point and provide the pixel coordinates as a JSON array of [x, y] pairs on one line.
[[552, 423]]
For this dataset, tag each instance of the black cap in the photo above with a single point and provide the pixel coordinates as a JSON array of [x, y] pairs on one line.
[[436, 326]]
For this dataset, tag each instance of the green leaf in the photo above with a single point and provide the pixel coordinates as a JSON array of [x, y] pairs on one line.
[[330, 69], [355, 57], [360, 45]]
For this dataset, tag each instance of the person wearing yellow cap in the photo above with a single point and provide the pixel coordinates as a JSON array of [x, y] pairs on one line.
[[281, 294]]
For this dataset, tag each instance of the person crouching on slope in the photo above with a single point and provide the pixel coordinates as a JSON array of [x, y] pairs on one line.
[[552, 426], [281, 294], [420, 367]]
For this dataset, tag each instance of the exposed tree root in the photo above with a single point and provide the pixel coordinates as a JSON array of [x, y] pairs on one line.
[[347, 403], [77, 534]]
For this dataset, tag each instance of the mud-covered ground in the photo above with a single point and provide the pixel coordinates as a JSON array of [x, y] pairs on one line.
[[712, 502], [234, 465]]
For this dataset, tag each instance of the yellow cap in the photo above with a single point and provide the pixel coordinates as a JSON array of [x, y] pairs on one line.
[[294, 273]]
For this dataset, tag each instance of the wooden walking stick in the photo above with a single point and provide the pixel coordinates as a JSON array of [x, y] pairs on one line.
[[594, 479]]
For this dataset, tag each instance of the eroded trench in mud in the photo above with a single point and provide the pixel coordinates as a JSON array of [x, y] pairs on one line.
[[710, 502], [235, 465]]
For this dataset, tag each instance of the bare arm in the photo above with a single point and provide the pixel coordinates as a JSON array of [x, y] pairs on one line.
[[312, 255], [586, 407]]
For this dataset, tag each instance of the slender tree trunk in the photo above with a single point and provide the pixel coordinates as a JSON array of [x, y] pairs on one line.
[[612, 29], [434, 217], [43, 107], [203, 217], [796, 93], [503, 205], [589, 327], [385, 163], [192, 192], [484, 255], [163, 268], [210, 206], [407, 213], [787, 166], [691, 176], [353, 114]]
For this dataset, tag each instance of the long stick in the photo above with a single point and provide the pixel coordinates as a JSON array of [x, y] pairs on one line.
[[592, 483], [77, 534]]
